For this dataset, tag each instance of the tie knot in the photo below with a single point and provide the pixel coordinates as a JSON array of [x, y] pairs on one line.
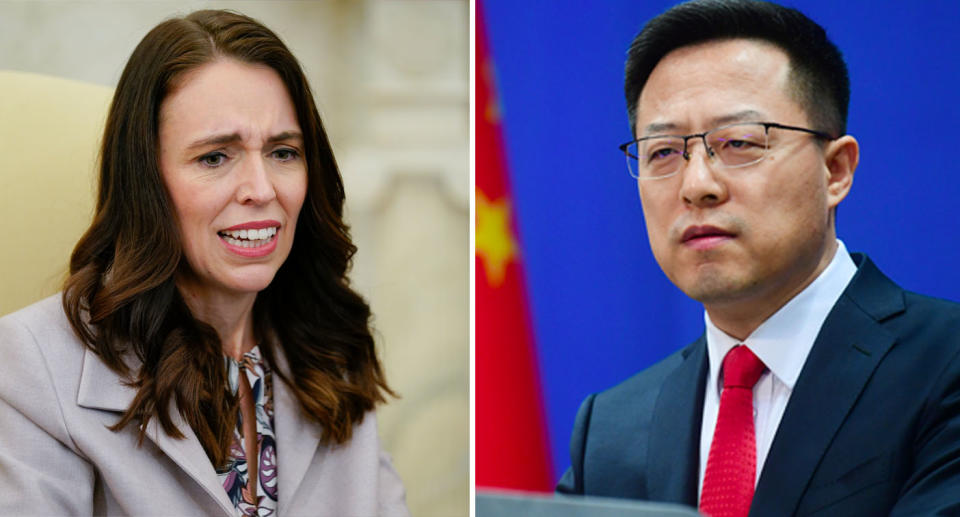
[[741, 369]]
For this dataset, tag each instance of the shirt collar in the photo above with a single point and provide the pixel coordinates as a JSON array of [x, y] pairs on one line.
[[251, 360], [784, 340]]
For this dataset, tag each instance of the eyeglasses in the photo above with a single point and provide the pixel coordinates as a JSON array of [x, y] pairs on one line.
[[736, 145]]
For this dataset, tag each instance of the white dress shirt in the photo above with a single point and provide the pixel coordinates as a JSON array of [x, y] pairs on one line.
[[783, 343]]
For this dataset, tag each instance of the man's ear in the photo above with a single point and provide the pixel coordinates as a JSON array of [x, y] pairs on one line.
[[841, 157]]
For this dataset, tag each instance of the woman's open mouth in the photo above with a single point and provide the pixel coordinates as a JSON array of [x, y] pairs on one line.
[[249, 238]]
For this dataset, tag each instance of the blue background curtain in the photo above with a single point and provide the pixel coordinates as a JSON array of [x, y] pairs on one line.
[[602, 309]]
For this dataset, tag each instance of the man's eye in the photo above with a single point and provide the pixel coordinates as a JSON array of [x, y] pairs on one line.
[[285, 155], [214, 159], [738, 144], [662, 154]]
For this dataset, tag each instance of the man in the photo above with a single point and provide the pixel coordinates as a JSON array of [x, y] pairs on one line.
[[849, 398]]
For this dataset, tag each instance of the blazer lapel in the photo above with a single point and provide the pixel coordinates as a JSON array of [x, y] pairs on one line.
[[101, 388], [297, 441], [674, 450], [847, 351]]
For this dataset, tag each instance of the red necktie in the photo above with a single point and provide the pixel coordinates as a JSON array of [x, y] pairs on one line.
[[732, 463]]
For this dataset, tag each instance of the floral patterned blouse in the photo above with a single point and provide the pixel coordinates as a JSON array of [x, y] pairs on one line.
[[235, 476]]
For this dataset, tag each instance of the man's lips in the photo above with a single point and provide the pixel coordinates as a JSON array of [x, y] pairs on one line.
[[695, 233]]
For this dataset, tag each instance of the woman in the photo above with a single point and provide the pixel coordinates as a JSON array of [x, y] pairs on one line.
[[201, 360]]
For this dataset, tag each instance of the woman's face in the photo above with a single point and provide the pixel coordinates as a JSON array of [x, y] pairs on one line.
[[231, 154]]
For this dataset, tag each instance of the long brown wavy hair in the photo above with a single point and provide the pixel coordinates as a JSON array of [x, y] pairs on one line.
[[121, 299]]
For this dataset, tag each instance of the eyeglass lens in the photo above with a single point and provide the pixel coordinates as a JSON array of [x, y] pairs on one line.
[[733, 146]]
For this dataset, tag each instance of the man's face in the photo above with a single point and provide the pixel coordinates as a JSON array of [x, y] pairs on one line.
[[746, 239]]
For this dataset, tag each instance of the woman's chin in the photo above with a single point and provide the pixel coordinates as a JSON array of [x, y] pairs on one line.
[[247, 280], [252, 285]]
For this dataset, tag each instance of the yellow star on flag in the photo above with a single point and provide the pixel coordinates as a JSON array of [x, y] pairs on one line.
[[495, 243]]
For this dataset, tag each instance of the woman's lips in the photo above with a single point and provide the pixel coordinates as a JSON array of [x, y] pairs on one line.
[[254, 225]]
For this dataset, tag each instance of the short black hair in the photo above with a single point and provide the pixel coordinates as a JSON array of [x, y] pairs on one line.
[[818, 74]]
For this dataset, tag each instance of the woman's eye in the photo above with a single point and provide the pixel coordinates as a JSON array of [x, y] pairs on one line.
[[214, 159], [285, 155]]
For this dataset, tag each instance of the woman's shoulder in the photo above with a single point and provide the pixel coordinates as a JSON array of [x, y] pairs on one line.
[[45, 311], [43, 324], [40, 350]]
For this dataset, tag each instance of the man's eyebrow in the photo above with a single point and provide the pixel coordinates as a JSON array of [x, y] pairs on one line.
[[740, 116], [660, 127], [235, 137]]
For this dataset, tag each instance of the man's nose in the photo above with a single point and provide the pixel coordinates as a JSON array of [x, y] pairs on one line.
[[701, 186]]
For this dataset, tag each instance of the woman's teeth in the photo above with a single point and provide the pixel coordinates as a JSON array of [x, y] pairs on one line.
[[249, 238]]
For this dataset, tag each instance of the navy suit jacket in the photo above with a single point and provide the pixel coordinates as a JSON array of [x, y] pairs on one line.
[[872, 426]]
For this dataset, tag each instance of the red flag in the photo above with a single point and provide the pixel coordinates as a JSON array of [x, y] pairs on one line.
[[511, 439]]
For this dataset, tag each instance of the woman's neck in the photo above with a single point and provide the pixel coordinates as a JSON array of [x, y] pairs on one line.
[[230, 314]]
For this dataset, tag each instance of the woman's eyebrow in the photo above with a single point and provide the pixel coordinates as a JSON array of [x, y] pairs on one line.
[[215, 140], [235, 137], [286, 135]]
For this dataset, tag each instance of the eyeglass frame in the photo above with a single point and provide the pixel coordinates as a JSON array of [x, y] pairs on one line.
[[709, 150]]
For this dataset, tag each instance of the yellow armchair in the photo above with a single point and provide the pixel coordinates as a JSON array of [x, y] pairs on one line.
[[50, 129]]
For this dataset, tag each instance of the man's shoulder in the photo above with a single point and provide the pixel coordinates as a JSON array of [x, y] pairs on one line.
[[875, 292], [645, 385], [936, 308], [610, 445], [905, 313], [929, 322]]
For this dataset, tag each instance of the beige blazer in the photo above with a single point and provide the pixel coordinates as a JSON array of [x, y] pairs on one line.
[[57, 456]]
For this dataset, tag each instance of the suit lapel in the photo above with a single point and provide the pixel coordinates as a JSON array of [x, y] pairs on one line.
[[297, 441], [101, 388], [848, 349], [674, 450]]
